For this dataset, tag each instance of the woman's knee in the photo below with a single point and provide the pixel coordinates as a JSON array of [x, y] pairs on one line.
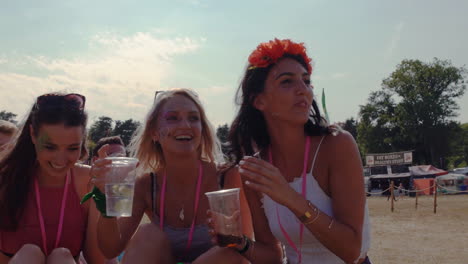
[[219, 255], [28, 253], [150, 235], [148, 245], [60, 255]]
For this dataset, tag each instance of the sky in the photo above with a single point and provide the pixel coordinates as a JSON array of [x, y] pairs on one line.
[[118, 53]]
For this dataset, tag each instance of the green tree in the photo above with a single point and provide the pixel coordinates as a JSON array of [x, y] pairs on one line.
[[456, 145], [376, 129], [350, 125], [125, 129], [414, 111], [101, 128], [465, 142], [8, 116]]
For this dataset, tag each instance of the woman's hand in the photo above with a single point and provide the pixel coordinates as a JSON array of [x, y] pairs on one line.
[[230, 225], [263, 177], [211, 227], [100, 168]]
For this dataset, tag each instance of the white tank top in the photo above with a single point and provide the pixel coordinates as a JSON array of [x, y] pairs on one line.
[[312, 250]]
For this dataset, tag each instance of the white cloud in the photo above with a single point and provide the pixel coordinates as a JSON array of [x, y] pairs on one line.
[[339, 75], [394, 40], [118, 74]]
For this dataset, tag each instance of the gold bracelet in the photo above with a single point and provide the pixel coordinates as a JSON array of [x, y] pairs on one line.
[[331, 223], [315, 218], [308, 215]]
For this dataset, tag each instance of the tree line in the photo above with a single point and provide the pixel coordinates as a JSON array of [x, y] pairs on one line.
[[412, 111]]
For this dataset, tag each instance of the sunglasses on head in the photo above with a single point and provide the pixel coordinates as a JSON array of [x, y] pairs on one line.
[[161, 92], [50, 99]]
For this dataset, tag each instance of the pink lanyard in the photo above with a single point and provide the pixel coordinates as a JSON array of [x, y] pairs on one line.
[[41, 218], [197, 199], [304, 194]]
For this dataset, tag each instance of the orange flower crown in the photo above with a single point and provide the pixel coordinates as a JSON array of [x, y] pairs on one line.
[[268, 53]]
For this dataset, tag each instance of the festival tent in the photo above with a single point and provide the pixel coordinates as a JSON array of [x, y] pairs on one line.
[[419, 177], [422, 177], [425, 171], [381, 182], [452, 183], [461, 171], [425, 185]]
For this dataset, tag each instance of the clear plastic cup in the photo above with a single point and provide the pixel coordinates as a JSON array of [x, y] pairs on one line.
[[119, 186], [225, 213]]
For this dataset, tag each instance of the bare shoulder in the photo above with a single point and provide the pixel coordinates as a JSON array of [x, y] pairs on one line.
[[341, 141], [231, 177], [143, 180], [82, 178], [232, 172]]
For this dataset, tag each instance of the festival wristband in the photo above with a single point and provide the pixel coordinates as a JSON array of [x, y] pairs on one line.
[[99, 198], [246, 246]]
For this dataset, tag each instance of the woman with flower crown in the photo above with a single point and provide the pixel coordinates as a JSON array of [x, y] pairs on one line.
[[179, 155], [303, 178], [41, 182]]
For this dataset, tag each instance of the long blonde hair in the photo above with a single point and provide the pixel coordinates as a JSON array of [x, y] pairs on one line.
[[150, 153]]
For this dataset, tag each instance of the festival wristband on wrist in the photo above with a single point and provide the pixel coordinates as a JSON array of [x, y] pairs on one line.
[[246, 246], [100, 200]]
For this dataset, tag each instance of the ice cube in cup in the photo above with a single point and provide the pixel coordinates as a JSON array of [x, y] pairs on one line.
[[119, 186]]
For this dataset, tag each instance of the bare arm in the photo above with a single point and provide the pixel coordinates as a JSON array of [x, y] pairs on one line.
[[114, 233], [342, 233], [266, 248], [345, 180], [233, 180], [91, 250]]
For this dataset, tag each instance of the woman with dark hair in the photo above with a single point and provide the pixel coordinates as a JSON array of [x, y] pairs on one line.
[[41, 219], [303, 178]]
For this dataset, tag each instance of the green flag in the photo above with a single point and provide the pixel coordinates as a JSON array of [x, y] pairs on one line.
[[324, 106]]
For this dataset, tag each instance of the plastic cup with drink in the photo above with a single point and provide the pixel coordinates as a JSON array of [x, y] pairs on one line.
[[225, 213], [119, 186]]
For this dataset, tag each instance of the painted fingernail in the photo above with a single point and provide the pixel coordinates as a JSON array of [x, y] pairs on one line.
[[247, 182], [241, 170], [242, 162]]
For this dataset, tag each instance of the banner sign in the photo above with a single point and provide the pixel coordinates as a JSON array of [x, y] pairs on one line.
[[394, 158]]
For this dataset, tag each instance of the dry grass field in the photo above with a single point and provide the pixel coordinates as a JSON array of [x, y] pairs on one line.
[[419, 236]]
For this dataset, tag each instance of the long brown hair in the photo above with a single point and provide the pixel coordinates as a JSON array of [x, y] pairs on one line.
[[17, 164], [249, 127]]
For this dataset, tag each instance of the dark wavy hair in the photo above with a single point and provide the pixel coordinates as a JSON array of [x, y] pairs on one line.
[[249, 128], [18, 163], [106, 140]]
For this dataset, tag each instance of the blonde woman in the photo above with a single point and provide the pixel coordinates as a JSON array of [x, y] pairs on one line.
[[179, 155]]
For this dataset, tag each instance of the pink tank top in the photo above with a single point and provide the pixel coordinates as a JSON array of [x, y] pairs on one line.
[[29, 229]]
